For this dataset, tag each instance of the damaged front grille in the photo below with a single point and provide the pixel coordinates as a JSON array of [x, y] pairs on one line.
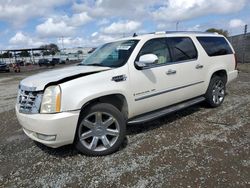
[[28, 100]]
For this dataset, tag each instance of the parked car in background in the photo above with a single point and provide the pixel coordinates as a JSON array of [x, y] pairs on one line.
[[45, 62], [20, 62], [4, 67], [62, 62], [91, 50], [55, 61]]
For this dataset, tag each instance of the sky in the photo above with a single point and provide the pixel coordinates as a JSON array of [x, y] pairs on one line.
[[89, 23]]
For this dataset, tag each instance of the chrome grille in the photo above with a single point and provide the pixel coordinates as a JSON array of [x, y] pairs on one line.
[[29, 101]]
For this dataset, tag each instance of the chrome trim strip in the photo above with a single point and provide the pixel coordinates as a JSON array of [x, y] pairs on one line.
[[166, 91]]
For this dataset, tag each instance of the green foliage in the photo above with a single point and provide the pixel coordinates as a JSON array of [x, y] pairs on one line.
[[220, 31], [50, 49], [6, 55], [24, 54]]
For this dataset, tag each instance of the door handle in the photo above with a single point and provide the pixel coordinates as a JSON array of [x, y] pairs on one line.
[[170, 71], [199, 66]]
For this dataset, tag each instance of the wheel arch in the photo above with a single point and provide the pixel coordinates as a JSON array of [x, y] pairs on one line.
[[221, 73], [117, 99]]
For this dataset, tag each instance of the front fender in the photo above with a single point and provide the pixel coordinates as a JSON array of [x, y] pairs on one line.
[[78, 92]]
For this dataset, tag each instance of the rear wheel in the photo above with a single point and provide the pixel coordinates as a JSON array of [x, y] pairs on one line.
[[216, 91], [101, 130]]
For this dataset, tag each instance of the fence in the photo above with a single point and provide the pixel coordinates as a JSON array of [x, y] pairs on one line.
[[241, 44], [35, 59]]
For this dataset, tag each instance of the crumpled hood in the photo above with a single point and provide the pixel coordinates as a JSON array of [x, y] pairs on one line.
[[39, 81]]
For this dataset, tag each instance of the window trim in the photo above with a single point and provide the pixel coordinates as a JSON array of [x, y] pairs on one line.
[[170, 52]]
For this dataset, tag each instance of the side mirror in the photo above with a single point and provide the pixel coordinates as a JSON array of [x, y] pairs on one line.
[[146, 59]]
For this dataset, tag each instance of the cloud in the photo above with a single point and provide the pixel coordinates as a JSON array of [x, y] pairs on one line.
[[195, 28], [179, 10], [54, 28], [62, 25], [72, 42], [20, 40], [117, 8], [109, 19], [103, 21], [122, 27], [94, 34], [79, 19], [101, 38], [17, 12], [236, 23]]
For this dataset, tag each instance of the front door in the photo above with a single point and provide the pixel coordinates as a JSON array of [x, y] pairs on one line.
[[172, 79]]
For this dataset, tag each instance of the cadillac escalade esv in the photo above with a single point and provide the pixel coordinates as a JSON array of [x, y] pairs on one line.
[[128, 81]]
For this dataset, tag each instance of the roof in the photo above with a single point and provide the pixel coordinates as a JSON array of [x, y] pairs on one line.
[[24, 49]]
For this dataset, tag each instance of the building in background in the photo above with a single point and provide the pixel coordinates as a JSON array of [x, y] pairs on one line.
[[33, 55]]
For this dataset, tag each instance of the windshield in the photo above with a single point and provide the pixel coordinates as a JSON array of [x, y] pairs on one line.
[[114, 54]]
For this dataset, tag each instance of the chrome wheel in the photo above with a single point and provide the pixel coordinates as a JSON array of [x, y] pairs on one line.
[[218, 92], [99, 131]]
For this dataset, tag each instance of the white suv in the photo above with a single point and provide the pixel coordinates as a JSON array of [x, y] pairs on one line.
[[132, 80]]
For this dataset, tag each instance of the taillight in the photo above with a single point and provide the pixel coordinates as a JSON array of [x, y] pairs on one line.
[[236, 62]]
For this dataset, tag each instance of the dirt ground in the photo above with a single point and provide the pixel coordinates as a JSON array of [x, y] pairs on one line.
[[196, 147]]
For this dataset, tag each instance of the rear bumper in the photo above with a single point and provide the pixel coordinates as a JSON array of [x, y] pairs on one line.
[[232, 75], [61, 126]]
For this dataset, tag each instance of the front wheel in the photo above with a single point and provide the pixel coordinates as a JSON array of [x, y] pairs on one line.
[[216, 91], [101, 130]]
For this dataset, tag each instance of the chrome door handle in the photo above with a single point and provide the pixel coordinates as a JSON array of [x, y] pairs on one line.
[[199, 66], [170, 71]]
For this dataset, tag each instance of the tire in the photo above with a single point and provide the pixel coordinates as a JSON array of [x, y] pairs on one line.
[[215, 94], [101, 130]]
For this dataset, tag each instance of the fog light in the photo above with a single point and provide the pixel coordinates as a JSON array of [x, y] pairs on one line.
[[46, 137]]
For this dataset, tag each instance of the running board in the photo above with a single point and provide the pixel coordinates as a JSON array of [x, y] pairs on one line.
[[162, 112]]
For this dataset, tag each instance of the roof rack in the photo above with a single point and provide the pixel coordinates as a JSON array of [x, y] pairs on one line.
[[170, 32]]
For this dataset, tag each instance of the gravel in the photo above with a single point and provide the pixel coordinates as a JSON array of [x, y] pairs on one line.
[[195, 147]]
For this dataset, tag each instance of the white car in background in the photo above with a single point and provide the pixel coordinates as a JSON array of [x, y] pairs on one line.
[[128, 81]]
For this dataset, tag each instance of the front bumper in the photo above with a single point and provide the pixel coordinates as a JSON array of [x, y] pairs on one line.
[[62, 126]]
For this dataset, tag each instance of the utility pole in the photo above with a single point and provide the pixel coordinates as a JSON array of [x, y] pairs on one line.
[[244, 44], [177, 25], [245, 29], [62, 38]]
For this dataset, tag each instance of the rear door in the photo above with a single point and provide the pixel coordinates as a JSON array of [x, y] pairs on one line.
[[189, 67]]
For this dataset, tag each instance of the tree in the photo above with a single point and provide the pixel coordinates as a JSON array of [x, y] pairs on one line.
[[6, 55], [50, 49], [24, 54], [220, 31]]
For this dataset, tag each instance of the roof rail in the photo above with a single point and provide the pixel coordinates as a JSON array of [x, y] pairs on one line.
[[172, 32]]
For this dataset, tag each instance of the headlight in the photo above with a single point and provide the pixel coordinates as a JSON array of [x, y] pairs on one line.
[[51, 102]]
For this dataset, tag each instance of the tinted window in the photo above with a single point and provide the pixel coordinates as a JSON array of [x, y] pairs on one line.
[[182, 48], [158, 47], [215, 46]]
